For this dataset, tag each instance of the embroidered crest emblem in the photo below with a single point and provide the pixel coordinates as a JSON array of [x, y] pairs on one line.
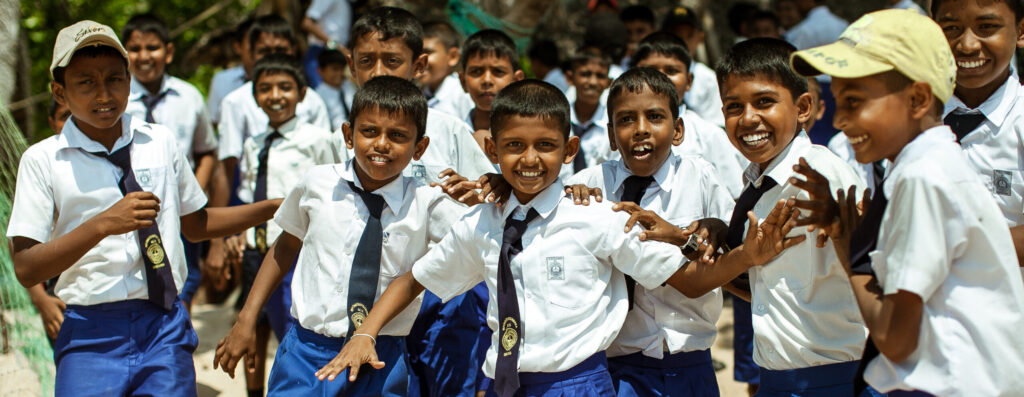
[[419, 171], [143, 177], [261, 240], [556, 268], [1001, 181], [357, 313], [154, 251], [509, 335]]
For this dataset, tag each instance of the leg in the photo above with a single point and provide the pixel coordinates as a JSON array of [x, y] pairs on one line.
[[254, 380]]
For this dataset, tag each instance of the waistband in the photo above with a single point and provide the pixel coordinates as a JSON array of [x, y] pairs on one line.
[[125, 306], [905, 393], [809, 378], [677, 360], [331, 342], [596, 363]]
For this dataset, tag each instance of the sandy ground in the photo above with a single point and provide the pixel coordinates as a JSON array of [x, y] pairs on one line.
[[212, 322]]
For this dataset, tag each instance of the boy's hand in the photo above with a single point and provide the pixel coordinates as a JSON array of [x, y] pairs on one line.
[[459, 188], [710, 233], [850, 216], [234, 246], [358, 351], [823, 210], [51, 309], [767, 240], [581, 194], [240, 342], [135, 211], [494, 188], [215, 268], [657, 229]]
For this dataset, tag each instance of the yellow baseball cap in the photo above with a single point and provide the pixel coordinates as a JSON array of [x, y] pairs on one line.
[[81, 34], [896, 39]]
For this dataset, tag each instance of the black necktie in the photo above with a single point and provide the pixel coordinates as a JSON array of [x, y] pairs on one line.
[[150, 101], [579, 163], [365, 273], [734, 238], [963, 122], [633, 191], [506, 374], [878, 172], [864, 240], [159, 279], [260, 192]]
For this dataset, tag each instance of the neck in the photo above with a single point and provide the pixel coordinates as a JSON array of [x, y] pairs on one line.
[[974, 97], [105, 136], [153, 87], [369, 184], [523, 197], [277, 124], [585, 110], [481, 119]]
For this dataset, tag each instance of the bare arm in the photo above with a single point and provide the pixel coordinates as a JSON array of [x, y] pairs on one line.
[[894, 320], [205, 165], [50, 308], [1017, 233], [310, 26], [209, 223]]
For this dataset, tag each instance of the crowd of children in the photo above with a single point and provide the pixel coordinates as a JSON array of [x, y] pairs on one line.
[[410, 215]]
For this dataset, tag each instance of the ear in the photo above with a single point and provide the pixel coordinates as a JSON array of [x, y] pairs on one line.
[[491, 149], [572, 147], [351, 65], [689, 84], [346, 132], [611, 137], [421, 147], [302, 94], [921, 99], [453, 57], [804, 108], [419, 66], [518, 75], [58, 93], [462, 82], [568, 76], [679, 131], [169, 51], [1020, 33]]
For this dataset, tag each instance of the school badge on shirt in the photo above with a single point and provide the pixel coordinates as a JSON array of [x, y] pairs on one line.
[[556, 268], [1001, 182], [509, 335], [143, 176], [154, 251]]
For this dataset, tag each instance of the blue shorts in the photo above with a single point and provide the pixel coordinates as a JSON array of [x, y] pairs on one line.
[[744, 368], [830, 380], [905, 393], [125, 348], [192, 253], [680, 374], [303, 352], [589, 378], [447, 345]]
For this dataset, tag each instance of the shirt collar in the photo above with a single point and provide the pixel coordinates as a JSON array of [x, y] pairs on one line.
[[916, 148], [662, 176], [996, 107], [393, 193], [822, 9], [285, 130], [597, 117], [780, 168], [73, 138], [139, 91], [545, 202]]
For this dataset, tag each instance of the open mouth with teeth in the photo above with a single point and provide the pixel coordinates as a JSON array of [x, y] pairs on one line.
[[378, 160], [276, 107], [642, 150], [971, 64], [530, 174], [757, 139]]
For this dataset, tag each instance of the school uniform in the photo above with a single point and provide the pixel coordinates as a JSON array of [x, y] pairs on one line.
[[557, 78], [909, 5], [222, 84], [594, 145], [334, 18], [114, 339], [808, 331], [450, 97], [569, 291], [871, 174], [818, 28], [703, 96], [338, 101], [705, 139], [327, 211], [663, 347], [942, 241]]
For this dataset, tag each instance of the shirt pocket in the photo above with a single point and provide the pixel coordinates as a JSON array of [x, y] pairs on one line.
[[395, 259], [571, 280], [154, 180]]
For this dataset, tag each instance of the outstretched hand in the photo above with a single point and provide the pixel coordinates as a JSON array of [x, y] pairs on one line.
[[822, 211], [765, 241], [358, 351], [850, 215], [655, 228], [238, 343], [581, 194]]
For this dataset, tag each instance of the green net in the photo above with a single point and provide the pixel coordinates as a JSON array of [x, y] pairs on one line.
[[468, 19], [26, 359]]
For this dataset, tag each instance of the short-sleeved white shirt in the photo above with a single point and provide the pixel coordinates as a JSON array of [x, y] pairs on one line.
[[819, 27], [707, 140], [332, 97], [60, 186], [300, 147], [684, 190], [557, 78], [182, 111], [334, 17], [221, 85], [945, 241], [804, 311], [703, 96], [569, 283], [451, 98], [329, 218]]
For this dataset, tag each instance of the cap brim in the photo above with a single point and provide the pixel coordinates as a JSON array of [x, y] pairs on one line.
[[838, 59]]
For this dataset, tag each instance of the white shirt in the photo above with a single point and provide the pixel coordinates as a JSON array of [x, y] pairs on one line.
[[995, 148], [331, 96], [804, 311], [703, 96], [300, 147], [946, 243], [684, 190], [221, 85], [451, 98], [569, 283], [595, 145], [557, 78], [909, 5], [60, 186], [334, 17], [840, 145], [329, 217], [711, 142], [182, 111], [451, 146], [819, 27]]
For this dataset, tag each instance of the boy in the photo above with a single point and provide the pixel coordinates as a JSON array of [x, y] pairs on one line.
[[668, 54], [588, 73], [101, 204], [702, 96], [557, 305], [332, 202], [227, 80], [639, 21], [930, 261], [158, 97], [276, 159], [657, 353], [986, 111], [441, 79], [545, 63], [335, 89], [489, 63]]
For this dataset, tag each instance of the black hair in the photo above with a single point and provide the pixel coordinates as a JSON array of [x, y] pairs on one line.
[[1016, 5], [762, 57], [278, 63], [444, 32], [766, 15], [739, 14], [544, 51], [662, 43], [273, 25], [331, 57], [530, 98], [90, 52], [681, 16], [242, 29], [636, 80], [51, 111], [587, 55], [490, 42], [390, 22], [637, 13], [394, 96], [607, 32], [146, 23]]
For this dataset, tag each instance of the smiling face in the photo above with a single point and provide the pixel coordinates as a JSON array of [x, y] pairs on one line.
[[643, 131], [983, 36], [483, 76], [278, 94], [590, 80], [96, 90], [761, 116], [876, 118], [675, 69], [440, 62], [372, 57], [384, 143], [149, 57], [530, 151]]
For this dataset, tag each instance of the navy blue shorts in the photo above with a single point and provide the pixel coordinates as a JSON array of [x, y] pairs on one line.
[[830, 380], [680, 374], [744, 368], [447, 345], [125, 348], [588, 378]]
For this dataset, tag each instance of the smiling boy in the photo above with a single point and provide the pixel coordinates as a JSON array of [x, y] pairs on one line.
[[588, 74], [489, 63]]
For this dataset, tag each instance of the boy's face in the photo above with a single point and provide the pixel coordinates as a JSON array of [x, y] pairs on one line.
[[788, 14], [637, 31], [96, 91], [372, 57], [383, 144], [149, 56], [761, 116], [590, 80], [874, 117], [268, 44], [440, 62], [483, 76], [332, 74], [675, 69], [58, 118], [278, 94], [983, 36], [530, 151], [643, 131]]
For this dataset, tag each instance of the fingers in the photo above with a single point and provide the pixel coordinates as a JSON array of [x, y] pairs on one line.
[[634, 217], [250, 362], [805, 169], [752, 226], [789, 242], [597, 194], [141, 195], [626, 206], [446, 173]]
